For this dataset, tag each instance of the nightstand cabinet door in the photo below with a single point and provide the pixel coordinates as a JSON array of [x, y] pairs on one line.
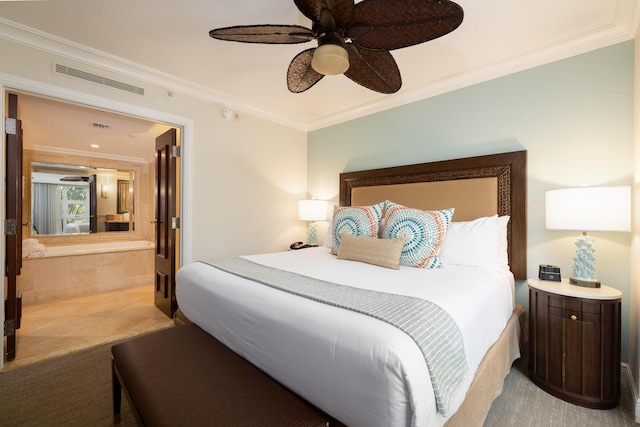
[[575, 348]]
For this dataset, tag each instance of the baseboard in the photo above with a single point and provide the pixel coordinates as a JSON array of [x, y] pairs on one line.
[[633, 390]]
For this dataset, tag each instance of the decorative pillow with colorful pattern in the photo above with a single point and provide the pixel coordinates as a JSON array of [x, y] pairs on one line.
[[423, 233], [360, 221]]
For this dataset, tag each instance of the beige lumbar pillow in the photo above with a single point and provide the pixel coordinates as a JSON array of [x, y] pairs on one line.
[[382, 252]]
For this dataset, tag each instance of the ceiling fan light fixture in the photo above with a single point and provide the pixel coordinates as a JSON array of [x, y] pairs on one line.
[[354, 38], [330, 59]]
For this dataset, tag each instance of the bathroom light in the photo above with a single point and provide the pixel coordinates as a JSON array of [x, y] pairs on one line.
[[104, 190]]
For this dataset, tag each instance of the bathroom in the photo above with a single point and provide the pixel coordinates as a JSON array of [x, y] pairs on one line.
[[84, 257], [84, 279], [106, 241]]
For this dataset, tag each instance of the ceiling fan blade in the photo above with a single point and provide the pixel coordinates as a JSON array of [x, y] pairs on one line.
[[300, 75], [269, 34], [401, 23], [326, 19], [341, 10], [375, 70]]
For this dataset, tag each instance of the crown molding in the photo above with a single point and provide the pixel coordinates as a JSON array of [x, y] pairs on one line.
[[33, 38], [623, 29], [583, 43]]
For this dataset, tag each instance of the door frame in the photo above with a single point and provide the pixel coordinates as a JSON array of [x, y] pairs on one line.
[[16, 84]]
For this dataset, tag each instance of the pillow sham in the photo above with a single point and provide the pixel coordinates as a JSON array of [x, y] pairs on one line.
[[478, 243], [503, 244], [380, 252], [422, 231], [472, 243], [362, 221]]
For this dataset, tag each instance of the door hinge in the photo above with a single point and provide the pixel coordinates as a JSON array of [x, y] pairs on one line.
[[10, 126], [9, 327], [175, 151], [9, 227], [175, 223]]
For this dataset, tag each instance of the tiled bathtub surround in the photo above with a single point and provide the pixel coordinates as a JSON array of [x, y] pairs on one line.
[[53, 278]]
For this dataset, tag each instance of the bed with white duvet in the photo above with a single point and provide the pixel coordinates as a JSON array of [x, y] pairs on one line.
[[360, 370], [461, 228]]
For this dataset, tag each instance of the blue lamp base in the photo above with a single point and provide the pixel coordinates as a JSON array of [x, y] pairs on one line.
[[584, 268], [313, 236]]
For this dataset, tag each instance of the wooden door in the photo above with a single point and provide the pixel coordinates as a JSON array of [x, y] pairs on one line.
[[93, 204], [13, 224], [166, 222]]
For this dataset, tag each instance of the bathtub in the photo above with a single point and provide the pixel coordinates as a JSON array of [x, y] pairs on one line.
[[68, 271], [97, 248]]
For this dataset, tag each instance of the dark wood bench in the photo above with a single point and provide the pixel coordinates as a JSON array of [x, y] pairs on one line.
[[182, 376]]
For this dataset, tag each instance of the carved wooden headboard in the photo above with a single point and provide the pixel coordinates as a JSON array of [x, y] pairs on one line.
[[474, 186]]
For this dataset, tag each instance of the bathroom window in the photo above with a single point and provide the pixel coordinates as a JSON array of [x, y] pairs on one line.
[[75, 209]]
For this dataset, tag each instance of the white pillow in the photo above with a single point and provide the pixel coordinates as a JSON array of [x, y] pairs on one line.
[[503, 244], [477, 243], [328, 238]]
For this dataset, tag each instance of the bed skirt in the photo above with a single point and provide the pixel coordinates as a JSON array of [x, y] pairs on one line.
[[488, 380], [493, 369]]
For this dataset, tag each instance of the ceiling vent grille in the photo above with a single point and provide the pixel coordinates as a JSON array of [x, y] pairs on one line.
[[79, 74], [100, 125]]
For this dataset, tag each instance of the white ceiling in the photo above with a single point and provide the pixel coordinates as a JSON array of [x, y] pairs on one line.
[[170, 40], [73, 129]]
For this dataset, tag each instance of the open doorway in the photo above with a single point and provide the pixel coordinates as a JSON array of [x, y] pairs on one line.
[[117, 151]]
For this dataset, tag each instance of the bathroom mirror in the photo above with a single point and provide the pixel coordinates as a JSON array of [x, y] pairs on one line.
[[70, 199]]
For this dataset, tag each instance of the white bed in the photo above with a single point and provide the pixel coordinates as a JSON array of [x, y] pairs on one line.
[[360, 370]]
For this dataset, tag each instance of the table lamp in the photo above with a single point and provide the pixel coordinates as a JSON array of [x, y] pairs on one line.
[[312, 211], [588, 209]]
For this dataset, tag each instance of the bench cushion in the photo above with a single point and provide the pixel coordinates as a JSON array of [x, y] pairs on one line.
[[183, 376]]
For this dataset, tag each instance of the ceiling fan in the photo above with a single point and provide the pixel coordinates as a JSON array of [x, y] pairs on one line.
[[354, 39]]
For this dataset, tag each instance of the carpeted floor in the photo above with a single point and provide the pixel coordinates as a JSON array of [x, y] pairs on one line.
[[523, 404], [72, 390], [75, 390]]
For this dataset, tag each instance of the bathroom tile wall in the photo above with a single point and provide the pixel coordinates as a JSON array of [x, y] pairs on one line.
[[55, 278]]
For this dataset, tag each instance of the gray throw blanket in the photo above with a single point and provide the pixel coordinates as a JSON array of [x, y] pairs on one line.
[[433, 329]]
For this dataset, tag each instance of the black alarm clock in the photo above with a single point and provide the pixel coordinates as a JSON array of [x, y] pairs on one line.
[[549, 272]]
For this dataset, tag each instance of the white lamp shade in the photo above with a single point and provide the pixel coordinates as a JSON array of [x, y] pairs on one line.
[[589, 209], [312, 210]]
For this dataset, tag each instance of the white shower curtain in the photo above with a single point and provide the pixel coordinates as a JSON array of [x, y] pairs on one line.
[[47, 208]]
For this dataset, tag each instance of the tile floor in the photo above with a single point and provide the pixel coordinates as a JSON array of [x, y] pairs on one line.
[[58, 328]]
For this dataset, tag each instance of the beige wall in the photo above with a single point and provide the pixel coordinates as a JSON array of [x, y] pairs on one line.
[[242, 178], [634, 340]]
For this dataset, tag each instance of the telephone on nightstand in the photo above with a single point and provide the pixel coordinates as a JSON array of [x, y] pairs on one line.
[[298, 245]]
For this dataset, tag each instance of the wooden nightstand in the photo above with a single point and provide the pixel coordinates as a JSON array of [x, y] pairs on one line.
[[574, 342]]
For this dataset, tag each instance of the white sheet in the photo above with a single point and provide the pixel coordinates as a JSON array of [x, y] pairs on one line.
[[360, 370]]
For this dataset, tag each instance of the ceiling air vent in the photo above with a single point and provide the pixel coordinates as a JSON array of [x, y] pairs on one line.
[[79, 74], [100, 125]]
